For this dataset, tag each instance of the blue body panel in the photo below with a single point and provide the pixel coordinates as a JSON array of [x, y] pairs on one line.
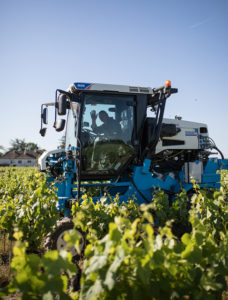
[[141, 185]]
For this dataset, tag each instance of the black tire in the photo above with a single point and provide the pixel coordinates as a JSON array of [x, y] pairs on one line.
[[55, 241]]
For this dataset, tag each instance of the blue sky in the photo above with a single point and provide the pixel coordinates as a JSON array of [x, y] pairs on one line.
[[49, 44]]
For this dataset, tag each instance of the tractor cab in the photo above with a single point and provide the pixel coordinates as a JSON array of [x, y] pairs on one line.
[[104, 125]]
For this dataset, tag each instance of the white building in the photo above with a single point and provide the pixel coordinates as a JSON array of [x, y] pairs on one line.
[[20, 158]]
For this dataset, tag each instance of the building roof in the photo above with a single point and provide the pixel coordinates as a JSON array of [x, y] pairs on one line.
[[14, 154]]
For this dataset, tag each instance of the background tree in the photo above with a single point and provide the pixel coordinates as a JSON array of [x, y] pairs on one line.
[[21, 145], [32, 146], [1, 150], [17, 144]]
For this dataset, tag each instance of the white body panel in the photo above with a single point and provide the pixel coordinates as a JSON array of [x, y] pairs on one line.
[[42, 161], [189, 133]]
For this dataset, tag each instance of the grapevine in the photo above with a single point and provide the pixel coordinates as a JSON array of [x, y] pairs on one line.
[[132, 251]]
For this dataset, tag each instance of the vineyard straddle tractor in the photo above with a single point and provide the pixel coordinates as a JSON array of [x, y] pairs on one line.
[[117, 141]]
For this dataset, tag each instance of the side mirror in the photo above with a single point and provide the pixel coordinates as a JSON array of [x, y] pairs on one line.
[[62, 104], [44, 115], [59, 125], [43, 131], [44, 119]]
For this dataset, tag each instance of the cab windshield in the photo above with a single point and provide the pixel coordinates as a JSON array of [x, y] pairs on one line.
[[106, 134]]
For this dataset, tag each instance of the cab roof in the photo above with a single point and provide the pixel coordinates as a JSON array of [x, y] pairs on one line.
[[81, 86]]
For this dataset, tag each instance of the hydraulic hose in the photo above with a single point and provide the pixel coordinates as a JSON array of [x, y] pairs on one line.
[[220, 152]]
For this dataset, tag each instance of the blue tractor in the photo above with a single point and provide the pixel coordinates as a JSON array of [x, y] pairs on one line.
[[118, 142]]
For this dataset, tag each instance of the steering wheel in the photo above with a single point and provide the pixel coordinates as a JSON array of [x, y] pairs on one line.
[[87, 135]]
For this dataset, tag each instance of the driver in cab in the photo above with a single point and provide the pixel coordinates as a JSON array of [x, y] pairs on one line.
[[108, 128]]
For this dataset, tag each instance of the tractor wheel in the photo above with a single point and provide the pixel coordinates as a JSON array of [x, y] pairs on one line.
[[55, 241]]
